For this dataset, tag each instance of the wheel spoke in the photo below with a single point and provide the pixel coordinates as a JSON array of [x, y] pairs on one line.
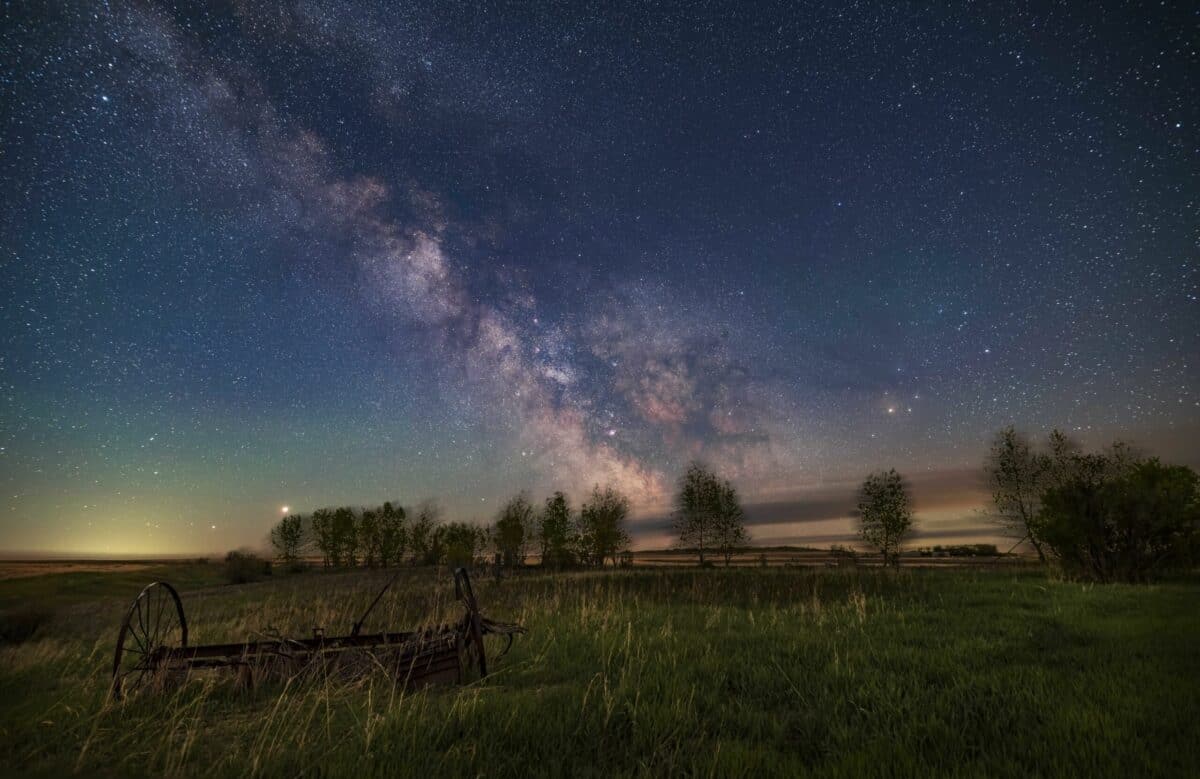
[[138, 673], [136, 636], [151, 621], [162, 630], [141, 674]]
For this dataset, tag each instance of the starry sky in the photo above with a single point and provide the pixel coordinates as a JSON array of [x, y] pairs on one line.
[[315, 253]]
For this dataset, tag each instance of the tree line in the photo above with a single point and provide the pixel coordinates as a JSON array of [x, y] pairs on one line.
[[1108, 515], [708, 517], [391, 535]]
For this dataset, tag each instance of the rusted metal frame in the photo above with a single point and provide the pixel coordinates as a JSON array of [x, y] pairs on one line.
[[425, 654], [223, 654]]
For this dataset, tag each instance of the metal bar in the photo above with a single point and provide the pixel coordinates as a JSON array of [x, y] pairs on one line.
[[251, 648], [393, 641], [358, 625]]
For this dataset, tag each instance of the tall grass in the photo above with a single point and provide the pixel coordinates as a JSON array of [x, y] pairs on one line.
[[743, 672]]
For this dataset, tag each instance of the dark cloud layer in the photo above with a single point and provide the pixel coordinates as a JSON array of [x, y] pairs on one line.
[[958, 489]]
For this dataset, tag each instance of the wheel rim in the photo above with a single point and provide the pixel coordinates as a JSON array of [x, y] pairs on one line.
[[154, 623]]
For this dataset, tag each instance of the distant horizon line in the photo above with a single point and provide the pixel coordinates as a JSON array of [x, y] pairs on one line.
[[819, 544]]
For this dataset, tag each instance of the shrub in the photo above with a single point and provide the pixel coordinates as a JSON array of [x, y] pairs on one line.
[[1123, 523], [844, 555], [242, 566], [963, 550]]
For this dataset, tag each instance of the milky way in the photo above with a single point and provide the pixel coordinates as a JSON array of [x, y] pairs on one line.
[[318, 253]]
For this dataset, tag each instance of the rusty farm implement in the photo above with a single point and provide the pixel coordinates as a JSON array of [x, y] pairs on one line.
[[153, 645]]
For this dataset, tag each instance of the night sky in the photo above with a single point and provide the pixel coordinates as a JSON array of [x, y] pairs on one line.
[[311, 254]]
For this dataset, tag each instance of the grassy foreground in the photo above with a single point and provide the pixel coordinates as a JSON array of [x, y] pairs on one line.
[[749, 672]]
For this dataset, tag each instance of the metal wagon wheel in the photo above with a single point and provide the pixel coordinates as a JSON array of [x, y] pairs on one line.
[[473, 621], [154, 624]]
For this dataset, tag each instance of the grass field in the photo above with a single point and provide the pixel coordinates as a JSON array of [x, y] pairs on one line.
[[745, 672]]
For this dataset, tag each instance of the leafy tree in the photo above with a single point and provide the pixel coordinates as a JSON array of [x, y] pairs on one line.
[[1061, 459], [460, 542], [243, 565], [370, 539], [393, 535], [435, 551], [556, 536], [884, 513], [514, 530], [708, 514], [325, 537], [1118, 518], [602, 532], [1018, 476], [422, 535], [729, 526], [345, 531], [288, 538], [696, 503]]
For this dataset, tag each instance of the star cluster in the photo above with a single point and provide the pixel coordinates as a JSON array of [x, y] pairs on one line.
[[313, 253]]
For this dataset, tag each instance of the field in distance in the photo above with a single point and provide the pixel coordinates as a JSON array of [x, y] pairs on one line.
[[743, 672], [795, 555]]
